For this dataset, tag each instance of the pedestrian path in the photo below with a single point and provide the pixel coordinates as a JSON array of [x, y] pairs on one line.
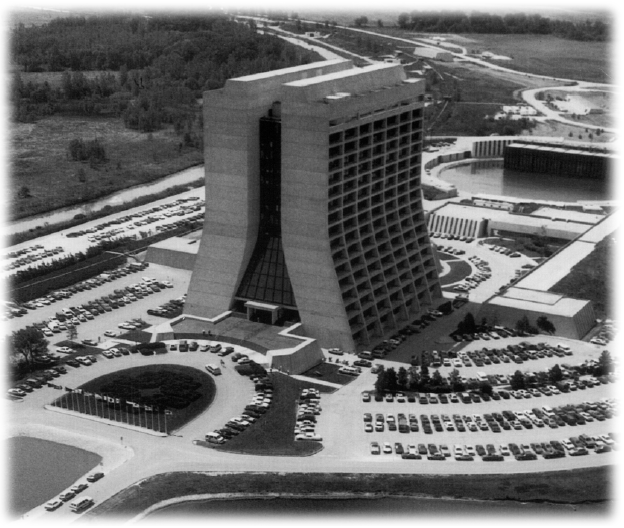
[[320, 382]]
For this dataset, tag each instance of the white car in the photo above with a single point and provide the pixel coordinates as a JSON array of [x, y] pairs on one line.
[[167, 284], [17, 392], [65, 350], [598, 341], [53, 505], [110, 333], [308, 437]]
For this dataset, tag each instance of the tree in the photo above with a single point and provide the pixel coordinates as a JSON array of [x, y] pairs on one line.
[[390, 377], [554, 374], [424, 375], [413, 379], [30, 343], [605, 364], [437, 380], [517, 381], [544, 324], [380, 384], [403, 20], [81, 175], [455, 380], [523, 325], [23, 192], [402, 380], [360, 21], [470, 327], [380, 23], [485, 387]]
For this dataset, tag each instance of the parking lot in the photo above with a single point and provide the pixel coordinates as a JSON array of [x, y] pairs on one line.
[[95, 328], [335, 423]]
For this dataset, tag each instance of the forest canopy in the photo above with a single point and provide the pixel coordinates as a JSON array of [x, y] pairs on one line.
[[148, 70], [513, 23]]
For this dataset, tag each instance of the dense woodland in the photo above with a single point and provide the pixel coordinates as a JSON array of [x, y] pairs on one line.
[[519, 23], [148, 70]]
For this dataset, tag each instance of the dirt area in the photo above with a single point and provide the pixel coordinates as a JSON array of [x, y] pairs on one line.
[[569, 132]]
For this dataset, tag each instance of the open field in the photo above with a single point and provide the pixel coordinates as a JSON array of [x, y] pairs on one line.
[[40, 162], [584, 485], [548, 55], [538, 54]]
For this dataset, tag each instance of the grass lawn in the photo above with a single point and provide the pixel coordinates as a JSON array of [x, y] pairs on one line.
[[549, 55], [39, 161], [459, 270], [580, 485], [329, 372], [592, 279], [146, 392], [273, 433]]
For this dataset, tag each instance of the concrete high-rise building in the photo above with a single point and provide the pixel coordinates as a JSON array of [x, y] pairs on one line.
[[313, 202]]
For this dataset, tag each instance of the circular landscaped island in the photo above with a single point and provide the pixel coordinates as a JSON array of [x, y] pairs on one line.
[[159, 397]]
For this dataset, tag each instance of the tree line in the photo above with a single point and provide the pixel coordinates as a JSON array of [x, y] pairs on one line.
[[513, 23], [150, 71], [416, 379]]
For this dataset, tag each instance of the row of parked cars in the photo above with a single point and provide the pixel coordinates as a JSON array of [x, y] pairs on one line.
[[256, 408], [574, 446], [31, 257], [146, 216], [478, 397], [538, 417], [78, 504], [49, 371], [448, 236], [504, 251], [308, 407], [87, 284]]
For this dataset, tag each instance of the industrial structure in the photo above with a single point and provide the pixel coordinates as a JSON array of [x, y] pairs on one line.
[[314, 204], [557, 159]]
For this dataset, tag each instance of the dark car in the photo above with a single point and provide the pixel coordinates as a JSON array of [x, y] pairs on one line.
[[94, 477], [72, 363], [362, 363]]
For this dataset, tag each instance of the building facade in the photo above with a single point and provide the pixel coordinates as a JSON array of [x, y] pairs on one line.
[[313, 202]]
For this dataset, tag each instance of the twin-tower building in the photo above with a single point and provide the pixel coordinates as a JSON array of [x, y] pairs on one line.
[[313, 202]]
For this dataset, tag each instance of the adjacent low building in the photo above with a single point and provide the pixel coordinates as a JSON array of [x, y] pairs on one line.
[[531, 296]]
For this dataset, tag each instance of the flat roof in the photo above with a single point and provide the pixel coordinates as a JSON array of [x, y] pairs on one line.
[[541, 301], [505, 219], [567, 214], [567, 149], [185, 245], [319, 79], [288, 71], [557, 267]]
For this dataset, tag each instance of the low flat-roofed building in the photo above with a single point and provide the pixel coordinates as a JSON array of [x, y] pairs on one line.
[[572, 318], [475, 221], [174, 252], [435, 54], [531, 296]]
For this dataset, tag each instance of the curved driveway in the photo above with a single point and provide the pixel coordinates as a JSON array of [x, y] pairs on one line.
[[340, 423]]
